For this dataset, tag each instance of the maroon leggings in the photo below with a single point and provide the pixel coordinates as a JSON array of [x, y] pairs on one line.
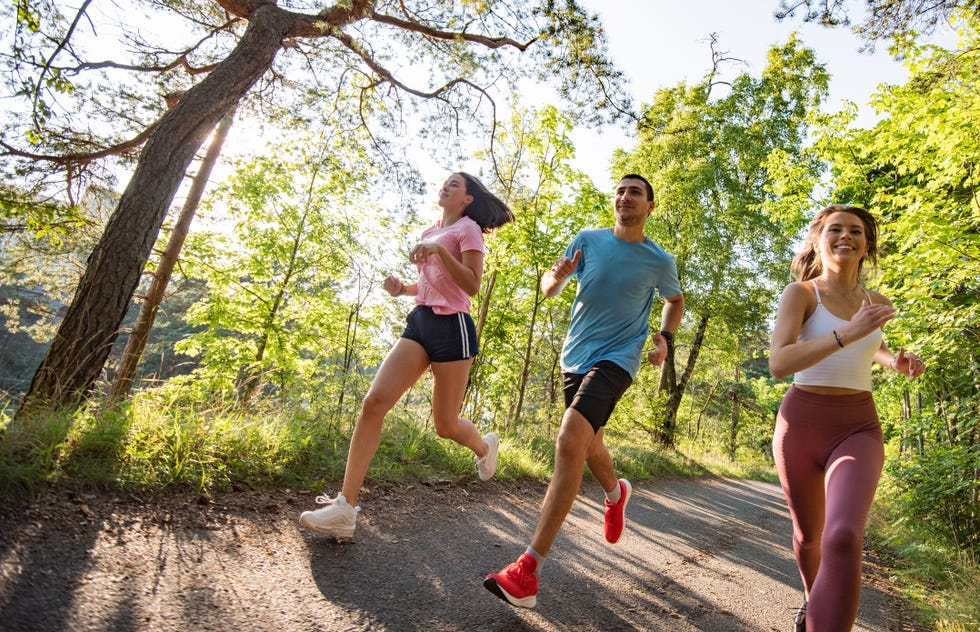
[[829, 452]]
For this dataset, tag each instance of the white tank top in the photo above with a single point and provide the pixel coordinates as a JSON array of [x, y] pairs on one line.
[[849, 367]]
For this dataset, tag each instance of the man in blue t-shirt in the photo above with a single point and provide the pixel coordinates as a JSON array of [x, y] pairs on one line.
[[619, 270]]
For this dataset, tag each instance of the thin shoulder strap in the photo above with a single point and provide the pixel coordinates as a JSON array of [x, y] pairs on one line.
[[817, 290], [867, 295]]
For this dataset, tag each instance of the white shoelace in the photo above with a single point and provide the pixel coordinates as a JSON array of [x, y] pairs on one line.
[[326, 500]]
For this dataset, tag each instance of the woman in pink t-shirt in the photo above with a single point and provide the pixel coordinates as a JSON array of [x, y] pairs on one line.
[[439, 335]]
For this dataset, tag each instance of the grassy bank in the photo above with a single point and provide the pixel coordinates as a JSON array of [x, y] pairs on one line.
[[156, 444]]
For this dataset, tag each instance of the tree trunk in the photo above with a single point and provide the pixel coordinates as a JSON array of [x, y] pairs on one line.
[[472, 396], [485, 304], [80, 347], [136, 344], [736, 413], [669, 430], [528, 347], [350, 342]]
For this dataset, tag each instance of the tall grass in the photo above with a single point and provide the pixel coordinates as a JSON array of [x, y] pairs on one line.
[[158, 441], [942, 581]]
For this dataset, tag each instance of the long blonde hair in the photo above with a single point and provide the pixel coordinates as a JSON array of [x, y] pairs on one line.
[[807, 264]]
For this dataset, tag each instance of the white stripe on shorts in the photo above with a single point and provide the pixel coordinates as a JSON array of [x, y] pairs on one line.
[[462, 332]]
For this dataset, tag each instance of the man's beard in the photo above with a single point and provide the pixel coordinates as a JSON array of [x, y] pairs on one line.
[[631, 220]]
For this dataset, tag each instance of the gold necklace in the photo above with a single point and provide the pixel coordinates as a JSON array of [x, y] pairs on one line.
[[844, 295]]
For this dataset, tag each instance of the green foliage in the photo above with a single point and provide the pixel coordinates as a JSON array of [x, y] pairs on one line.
[[28, 16], [30, 213], [576, 52], [289, 288], [44, 246], [210, 449], [899, 20], [84, 81], [48, 242], [30, 451], [159, 441], [356, 71], [917, 170], [516, 379], [31, 15], [939, 487], [731, 175], [709, 160], [940, 579]]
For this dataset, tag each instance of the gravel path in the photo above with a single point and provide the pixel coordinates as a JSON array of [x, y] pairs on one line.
[[698, 555]]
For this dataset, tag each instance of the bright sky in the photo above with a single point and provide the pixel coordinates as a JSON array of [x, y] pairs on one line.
[[659, 43]]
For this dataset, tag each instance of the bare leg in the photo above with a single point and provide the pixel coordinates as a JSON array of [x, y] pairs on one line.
[[600, 464], [448, 389], [573, 445], [402, 367]]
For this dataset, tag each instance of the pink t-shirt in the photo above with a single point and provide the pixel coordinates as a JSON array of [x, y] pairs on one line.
[[436, 287]]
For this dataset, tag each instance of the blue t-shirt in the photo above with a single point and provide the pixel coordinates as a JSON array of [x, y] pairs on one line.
[[617, 281]]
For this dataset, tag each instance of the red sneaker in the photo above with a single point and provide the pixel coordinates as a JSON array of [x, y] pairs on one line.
[[516, 584], [615, 519]]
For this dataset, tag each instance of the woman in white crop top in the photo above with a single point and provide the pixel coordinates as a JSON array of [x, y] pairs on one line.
[[828, 444]]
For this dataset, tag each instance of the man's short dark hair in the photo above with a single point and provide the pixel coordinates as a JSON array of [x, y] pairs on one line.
[[633, 176]]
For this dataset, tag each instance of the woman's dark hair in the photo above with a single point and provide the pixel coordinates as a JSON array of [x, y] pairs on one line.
[[807, 264], [486, 209]]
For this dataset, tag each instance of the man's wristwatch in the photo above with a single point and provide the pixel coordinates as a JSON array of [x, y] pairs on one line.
[[668, 335]]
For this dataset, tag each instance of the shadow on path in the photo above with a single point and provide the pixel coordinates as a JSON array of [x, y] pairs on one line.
[[699, 555]]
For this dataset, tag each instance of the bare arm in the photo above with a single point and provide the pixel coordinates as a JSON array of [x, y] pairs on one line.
[[787, 356], [467, 273], [670, 320], [907, 364], [554, 280], [670, 315], [395, 287]]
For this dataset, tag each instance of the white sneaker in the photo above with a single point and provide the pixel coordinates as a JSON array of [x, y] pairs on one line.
[[336, 517], [486, 466]]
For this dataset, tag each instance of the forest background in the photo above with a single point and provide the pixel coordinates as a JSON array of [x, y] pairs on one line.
[[271, 317]]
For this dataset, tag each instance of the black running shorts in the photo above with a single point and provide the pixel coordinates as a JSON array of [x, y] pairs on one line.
[[446, 338], [595, 394]]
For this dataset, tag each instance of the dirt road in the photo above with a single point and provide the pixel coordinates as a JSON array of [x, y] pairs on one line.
[[697, 555]]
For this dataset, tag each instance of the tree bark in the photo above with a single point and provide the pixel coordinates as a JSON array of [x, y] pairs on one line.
[[83, 341], [528, 348], [123, 381], [669, 430], [736, 413], [485, 304]]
